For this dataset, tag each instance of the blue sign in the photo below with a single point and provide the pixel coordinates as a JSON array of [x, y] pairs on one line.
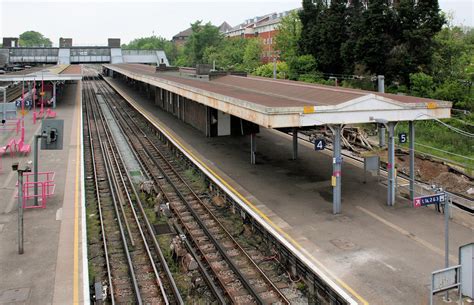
[[27, 103], [428, 200], [402, 138], [319, 144]]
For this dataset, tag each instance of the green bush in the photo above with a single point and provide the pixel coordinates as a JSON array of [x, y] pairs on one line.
[[421, 84], [267, 70]]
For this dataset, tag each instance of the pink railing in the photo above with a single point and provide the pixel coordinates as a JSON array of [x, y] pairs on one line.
[[11, 125], [46, 188]]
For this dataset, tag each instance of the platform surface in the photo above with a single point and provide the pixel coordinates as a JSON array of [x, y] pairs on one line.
[[50, 270], [47, 73], [379, 254]]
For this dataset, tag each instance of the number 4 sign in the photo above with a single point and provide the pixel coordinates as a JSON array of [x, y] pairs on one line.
[[319, 144]]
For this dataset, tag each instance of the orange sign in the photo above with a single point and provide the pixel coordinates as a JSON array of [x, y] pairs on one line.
[[308, 109]]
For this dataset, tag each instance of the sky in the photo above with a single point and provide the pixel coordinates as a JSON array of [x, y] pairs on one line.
[[92, 22]]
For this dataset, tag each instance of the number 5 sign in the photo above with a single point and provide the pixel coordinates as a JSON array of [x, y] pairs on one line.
[[402, 138]]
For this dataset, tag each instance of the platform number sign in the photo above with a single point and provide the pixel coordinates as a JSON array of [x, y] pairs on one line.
[[428, 200], [402, 138], [319, 144]]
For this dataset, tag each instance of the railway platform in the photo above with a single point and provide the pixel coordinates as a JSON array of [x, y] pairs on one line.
[[50, 271], [378, 254]]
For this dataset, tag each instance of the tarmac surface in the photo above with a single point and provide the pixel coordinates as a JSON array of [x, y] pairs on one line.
[[50, 270], [379, 254]]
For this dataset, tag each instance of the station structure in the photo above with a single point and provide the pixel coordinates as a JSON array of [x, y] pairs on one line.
[[50, 269], [12, 54], [53, 74], [216, 105], [223, 103]]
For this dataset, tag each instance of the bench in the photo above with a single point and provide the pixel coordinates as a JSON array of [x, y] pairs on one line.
[[23, 148], [10, 145], [50, 113]]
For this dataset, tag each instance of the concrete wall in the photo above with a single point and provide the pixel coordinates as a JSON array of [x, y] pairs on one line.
[[3, 57], [64, 56], [116, 56]]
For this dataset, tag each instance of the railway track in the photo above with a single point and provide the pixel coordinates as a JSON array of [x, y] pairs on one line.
[[12, 94], [135, 269], [239, 278]]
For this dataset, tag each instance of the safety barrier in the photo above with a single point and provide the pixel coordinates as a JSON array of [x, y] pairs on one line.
[[46, 188], [11, 125]]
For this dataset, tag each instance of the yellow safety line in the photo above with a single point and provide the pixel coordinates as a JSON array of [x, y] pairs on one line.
[[150, 117], [76, 213]]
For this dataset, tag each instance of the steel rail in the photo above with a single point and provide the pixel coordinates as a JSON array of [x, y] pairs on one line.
[[119, 163], [113, 191], [101, 218], [149, 228], [179, 192]]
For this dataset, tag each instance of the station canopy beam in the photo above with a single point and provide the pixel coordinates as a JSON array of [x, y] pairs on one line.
[[273, 103]]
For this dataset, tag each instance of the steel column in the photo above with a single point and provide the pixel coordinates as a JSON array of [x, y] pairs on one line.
[[20, 212], [381, 135], [391, 164], [295, 143], [253, 147], [54, 94], [447, 199], [336, 173], [35, 165], [4, 117], [411, 127]]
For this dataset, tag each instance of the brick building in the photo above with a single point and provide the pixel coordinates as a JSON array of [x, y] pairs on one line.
[[181, 38], [264, 27]]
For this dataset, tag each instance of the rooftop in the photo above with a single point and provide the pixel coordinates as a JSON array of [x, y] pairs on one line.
[[282, 103], [52, 72]]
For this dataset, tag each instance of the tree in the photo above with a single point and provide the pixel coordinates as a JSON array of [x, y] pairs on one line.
[[311, 16], [421, 84], [418, 22], [301, 65], [202, 37], [228, 55], [252, 54], [354, 31], [378, 22], [34, 39], [332, 36], [267, 70], [289, 33], [453, 55], [453, 91]]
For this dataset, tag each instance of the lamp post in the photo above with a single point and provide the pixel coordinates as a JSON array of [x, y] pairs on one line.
[[20, 203], [4, 117]]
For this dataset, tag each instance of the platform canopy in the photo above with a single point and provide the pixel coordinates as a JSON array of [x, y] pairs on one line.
[[48, 73], [281, 103]]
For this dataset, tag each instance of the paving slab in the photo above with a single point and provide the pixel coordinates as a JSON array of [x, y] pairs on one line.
[[379, 254], [49, 271]]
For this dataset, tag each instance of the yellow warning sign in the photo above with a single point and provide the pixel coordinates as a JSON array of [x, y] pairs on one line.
[[308, 109], [432, 105], [333, 181]]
